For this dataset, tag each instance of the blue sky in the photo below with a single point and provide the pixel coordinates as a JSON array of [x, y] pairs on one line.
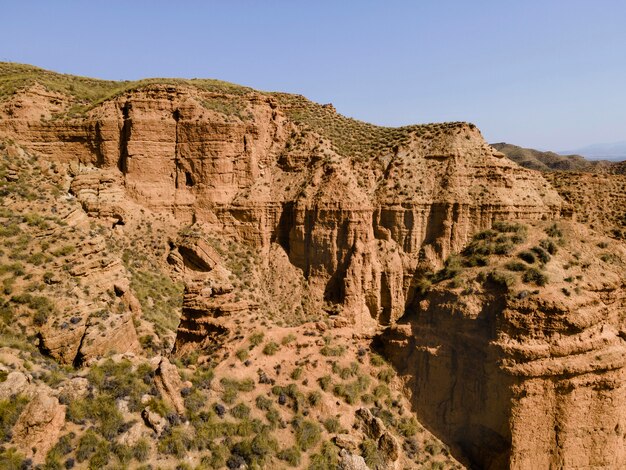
[[547, 74]]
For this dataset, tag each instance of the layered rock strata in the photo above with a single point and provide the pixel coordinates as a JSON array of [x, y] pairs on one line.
[[514, 378], [246, 165]]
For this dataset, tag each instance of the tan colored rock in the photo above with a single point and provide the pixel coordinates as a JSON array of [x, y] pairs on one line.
[[38, 427], [388, 447], [515, 379], [349, 461], [168, 383], [347, 441], [15, 383], [153, 420], [372, 426]]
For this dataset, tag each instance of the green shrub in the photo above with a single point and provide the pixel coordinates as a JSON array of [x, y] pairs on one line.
[[527, 256], [451, 269], [176, 442], [233, 387], [502, 280], [503, 226], [554, 231], [376, 360], [534, 276], [42, 306], [141, 450], [264, 403], [271, 348], [291, 455], [10, 411], [256, 338], [290, 338], [333, 351], [352, 391], [408, 427], [296, 374], [373, 458], [242, 354], [202, 377], [10, 459], [516, 266], [325, 382], [331, 425], [386, 375], [240, 411], [308, 433], [314, 398], [326, 459], [542, 254], [549, 246], [87, 445]]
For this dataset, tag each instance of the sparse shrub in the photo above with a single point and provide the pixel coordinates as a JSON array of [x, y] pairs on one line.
[[256, 338], [271, 348], [291, 455], [10, 411], [554, 231], [296, 374], [516, 266], [242, 354], [549, 246], [408, 427], [542, 254], [308, 433], [369, 452], [534, 276], [527, 256], [240, 411], [331, 425]]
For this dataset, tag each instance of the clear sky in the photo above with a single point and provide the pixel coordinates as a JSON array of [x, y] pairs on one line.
[[541, 73]]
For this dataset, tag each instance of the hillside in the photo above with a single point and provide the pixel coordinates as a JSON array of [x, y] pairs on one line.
[[202, 275], [551, 161]]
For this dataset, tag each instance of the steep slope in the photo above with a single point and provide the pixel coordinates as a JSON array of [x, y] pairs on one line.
[[236, 212], [353, 205], [518, 363]]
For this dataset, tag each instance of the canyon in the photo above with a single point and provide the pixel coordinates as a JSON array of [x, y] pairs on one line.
[[258, 208]]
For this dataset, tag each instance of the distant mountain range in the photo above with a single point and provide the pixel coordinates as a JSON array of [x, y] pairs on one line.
[[610, 151], [552, 161]]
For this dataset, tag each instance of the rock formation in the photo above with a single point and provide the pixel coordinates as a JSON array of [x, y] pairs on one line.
[[356, 227], [353, 215], [520, 379]]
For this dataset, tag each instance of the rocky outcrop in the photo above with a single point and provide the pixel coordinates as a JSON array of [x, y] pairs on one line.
[[242, 163], [209, 302], [519, 379], [38, 427], [168, 383], [97, 319]]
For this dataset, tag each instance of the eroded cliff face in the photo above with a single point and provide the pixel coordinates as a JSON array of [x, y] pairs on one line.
[[243, 164], [521, 377]]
